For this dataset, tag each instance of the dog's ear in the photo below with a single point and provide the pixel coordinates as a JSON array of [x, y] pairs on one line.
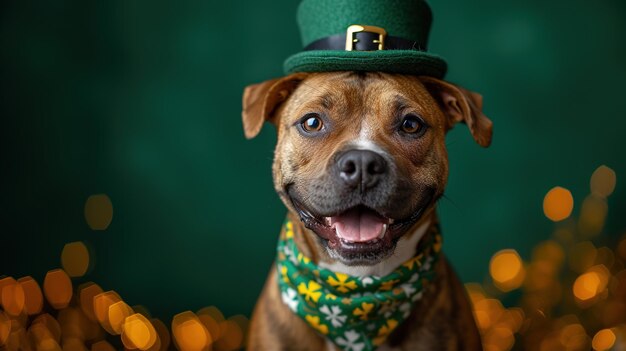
[[461, 105], [261, 100]]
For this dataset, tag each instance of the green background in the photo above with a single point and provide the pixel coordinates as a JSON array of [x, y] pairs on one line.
[[141, 100]]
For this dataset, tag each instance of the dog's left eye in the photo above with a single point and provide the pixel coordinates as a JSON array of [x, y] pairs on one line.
[[412, 124], [312, 123]]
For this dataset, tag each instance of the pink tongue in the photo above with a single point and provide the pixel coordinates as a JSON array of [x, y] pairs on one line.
[[358, 225]]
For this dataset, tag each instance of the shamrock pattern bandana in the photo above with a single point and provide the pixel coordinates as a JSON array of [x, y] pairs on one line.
[[355, 313]]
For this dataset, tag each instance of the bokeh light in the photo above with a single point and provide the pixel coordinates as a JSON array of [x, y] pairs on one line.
[[603, 340], [86, 294], [507, 269], [33, 297], [57, 287], [5, 328], [101, 303], [118, 312], [603, 181], [75, 259], [558, 204], [102, 345], [49, 324], [12, 297], [163, 335], [189, 333], [592, 216], [98, 211], [590, 284], [139, 332]]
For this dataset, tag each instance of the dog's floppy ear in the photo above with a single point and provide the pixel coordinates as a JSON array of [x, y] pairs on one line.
[[461, 105], [261, 100]]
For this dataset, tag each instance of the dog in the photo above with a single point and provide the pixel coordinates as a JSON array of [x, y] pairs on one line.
[[360, 163]]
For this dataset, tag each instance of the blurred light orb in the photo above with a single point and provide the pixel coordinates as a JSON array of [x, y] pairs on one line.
[[5, 328], [587, 286], [101, 304], [574, 337], [33, 302], [189, 333], [603, 340], [507, 269], [603, 181], [86, 294], [12, 297], [102, 345], [592, 215], [57, 287], [98, 211], [118, 312], [139, 331], [163, 335], [75, 259], [558, 204], [50, 324]]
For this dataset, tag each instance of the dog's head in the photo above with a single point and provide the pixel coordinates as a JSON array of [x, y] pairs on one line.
[[361, 157]]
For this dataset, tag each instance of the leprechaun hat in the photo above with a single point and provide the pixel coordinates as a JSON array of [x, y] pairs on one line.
[[365, 35]]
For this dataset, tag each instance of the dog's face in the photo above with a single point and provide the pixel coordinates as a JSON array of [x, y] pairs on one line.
[[361, 157]]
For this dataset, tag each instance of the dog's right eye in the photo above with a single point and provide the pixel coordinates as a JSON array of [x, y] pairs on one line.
[[311, 123]]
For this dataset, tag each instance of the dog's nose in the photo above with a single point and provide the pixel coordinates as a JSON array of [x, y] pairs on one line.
[[361, 167]]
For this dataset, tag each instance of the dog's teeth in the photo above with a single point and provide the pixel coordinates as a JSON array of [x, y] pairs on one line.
[[391, 220], [382, 232]]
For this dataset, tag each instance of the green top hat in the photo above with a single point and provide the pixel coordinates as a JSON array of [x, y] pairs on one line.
[[365, 35]]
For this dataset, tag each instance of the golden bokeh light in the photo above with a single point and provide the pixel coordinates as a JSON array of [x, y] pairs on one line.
[[603, 340], [33, 297], [73, 324], [101, 304], [118, 312], [507, 270], [75, 259], [139, 332], [73, 344], [57, 287], [163, 335], [499, 338], [231, 336], [549, 251], [12, 297], [98, 211], [50, 324], [558, 204], [189, 333], [5, 328], [38, 334], [603, 181], [591, 283], [243, 323], [86, 294], [592, 216], [211, 317], [48, 345], [102, 345], [574, 337]]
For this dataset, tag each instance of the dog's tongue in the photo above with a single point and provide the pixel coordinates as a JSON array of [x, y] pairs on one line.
[[358, 225]]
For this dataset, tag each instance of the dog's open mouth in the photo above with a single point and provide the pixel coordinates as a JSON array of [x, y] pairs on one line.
[[359, 225], [359, 235]]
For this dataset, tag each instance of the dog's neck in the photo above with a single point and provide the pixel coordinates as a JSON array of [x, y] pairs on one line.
[[309, 244]]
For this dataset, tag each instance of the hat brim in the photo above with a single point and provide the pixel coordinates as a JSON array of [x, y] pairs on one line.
[[392, 61]]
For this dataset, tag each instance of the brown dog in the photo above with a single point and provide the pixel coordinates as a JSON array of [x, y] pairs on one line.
[[370, 145]]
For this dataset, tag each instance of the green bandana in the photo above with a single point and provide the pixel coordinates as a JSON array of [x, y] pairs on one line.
[[355, 313]]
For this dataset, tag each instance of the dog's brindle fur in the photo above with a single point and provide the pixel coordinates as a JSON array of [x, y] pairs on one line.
[[361, 111]]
